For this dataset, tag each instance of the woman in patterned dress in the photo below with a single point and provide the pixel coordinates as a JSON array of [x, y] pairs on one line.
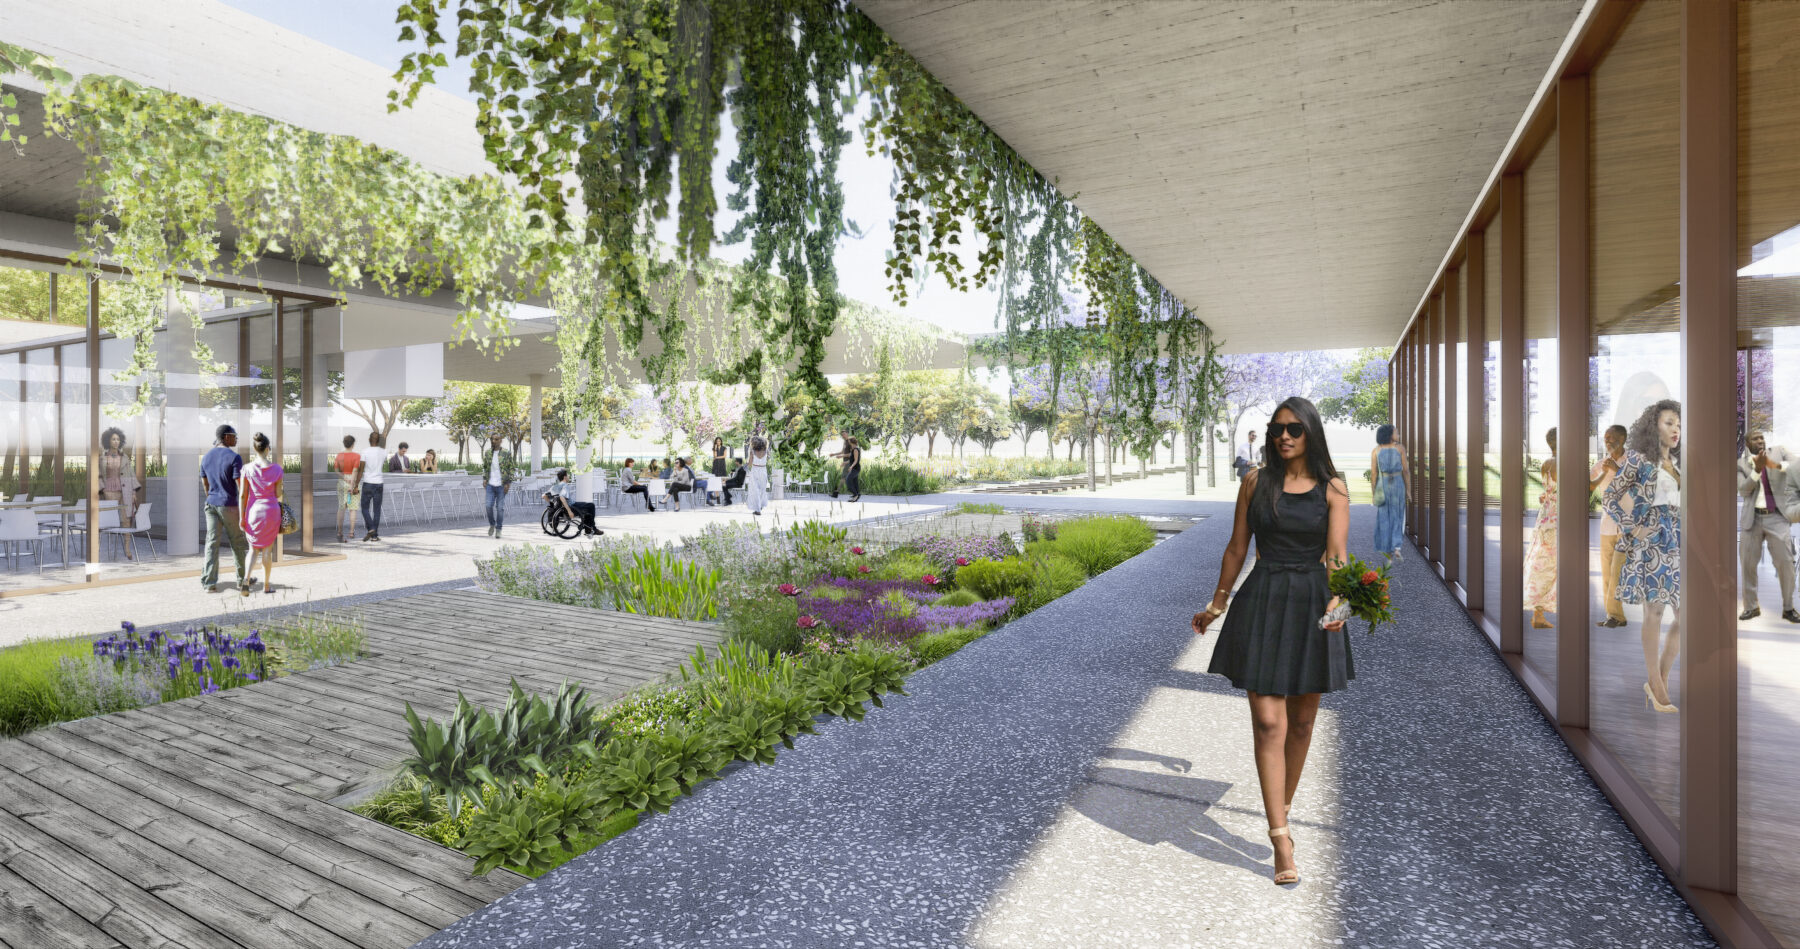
[[1645, 500], [118, 480], [1540, 559]]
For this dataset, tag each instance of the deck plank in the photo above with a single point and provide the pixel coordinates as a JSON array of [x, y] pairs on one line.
[[206, 822]]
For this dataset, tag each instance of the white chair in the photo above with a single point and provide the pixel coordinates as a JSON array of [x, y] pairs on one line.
[[20, 527], [109, 518], [656, 490], [141, 525]]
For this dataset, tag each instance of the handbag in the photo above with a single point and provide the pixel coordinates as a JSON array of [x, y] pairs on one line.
[[289, 523]]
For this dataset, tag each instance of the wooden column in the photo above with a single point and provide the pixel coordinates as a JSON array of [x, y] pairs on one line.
[[1572, 418], [1434, 442], [309, 383], [1475, 565], [1453, 509], [1709, 664], [59, 394], [278, 391], [1511, 368], [93, 439], [243, 364], [1415, 441]]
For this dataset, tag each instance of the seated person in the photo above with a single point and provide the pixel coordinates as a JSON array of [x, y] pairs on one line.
[[681, 479], [735, 481], [628, 483], [429, 464], [561, 492]]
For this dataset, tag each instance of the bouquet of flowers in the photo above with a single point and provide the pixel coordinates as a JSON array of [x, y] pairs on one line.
[[1362, 592]]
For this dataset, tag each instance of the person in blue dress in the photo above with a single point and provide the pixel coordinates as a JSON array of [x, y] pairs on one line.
[[1387, 481], [1644, 499], [1274, 644]]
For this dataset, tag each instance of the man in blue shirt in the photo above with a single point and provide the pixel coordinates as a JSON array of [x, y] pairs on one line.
[[219, 471]]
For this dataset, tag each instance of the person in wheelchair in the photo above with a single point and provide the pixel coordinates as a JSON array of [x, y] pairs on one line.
[[558, 495]]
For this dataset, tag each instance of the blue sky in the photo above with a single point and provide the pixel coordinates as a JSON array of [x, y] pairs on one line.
[[366, 28]]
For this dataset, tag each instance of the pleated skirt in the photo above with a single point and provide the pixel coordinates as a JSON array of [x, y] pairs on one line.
[[1271, 642]]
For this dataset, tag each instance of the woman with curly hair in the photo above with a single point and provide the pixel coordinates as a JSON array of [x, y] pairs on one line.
[[118, 479], [1644, 499]]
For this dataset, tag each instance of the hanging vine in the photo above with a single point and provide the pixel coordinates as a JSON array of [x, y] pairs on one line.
[[174, 188]]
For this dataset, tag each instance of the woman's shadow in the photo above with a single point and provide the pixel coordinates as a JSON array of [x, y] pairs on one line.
[[1153, 807]]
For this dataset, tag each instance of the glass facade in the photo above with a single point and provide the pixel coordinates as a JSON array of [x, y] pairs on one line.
[[1634, 333], [1490, 397], [151, 430], [1699, 759], [1540, 482], [1768, 387]]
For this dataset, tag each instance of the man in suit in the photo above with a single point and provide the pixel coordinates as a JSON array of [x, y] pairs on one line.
[[1764, 483], [400, 463]]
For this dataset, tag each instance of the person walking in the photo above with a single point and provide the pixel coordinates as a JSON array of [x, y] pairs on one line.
[[680, 480], [1644, 499], [852, 458], [345, 465], [119, 481], [259, 490], [1761, 525], [1387, 481], [629, 484], [1610, 559], [500, 471], [1246, 456], [1274, 644], [759, 475], [219, 471], [1540, 557], [370, 483]]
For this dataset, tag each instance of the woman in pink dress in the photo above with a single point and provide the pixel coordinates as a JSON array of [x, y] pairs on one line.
[[259, 507]]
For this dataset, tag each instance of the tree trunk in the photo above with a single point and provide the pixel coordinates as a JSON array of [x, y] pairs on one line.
[[1193, 459], [1109, 458], [1089, 450], [1212, 460], [1144, 467]]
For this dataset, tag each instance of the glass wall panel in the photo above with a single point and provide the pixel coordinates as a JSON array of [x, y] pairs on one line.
[[1459, 353], [1768, 339], [1490, 389], [1634, 367], [1540, 410]]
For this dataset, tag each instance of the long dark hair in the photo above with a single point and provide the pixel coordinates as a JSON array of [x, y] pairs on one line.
[[1270, 483], [1645, 434]]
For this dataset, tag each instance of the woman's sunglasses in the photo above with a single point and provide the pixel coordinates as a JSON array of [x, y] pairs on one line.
[[1294, 430]]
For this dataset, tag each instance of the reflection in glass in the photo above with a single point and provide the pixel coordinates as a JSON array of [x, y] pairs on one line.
[[1644, 500], [1489, 456], [1540, 553]]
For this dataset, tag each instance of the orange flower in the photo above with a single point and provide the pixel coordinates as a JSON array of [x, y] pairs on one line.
[[1370, 576]]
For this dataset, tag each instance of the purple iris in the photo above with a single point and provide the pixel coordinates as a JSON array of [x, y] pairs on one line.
[[128, 626]]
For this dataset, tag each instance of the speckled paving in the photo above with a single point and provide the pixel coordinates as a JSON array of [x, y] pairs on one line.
[[1075, 779]]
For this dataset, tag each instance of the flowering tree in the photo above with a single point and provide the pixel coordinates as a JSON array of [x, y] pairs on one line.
[[1254, 380], [1357, 394]]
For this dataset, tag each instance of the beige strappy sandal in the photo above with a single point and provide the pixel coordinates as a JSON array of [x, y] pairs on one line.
[[1284, 877]]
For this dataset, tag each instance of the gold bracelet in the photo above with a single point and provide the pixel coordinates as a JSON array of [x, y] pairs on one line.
[[1214, 611]]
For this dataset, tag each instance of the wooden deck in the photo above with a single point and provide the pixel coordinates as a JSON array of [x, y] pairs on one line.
[[207, 822]]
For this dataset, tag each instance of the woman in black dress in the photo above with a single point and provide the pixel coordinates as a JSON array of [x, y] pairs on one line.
[[718, 453], [1272, 645]]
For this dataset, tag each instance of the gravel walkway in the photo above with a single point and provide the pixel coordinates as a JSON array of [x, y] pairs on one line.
[[1075, 779]]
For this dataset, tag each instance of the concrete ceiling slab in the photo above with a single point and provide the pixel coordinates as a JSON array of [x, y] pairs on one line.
[[1293, 171]]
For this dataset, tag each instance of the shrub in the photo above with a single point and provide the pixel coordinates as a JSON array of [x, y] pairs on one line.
[[1099, 544], [975, 614], [1052, 576], [648, 710], [964, 597], [885, 478], [658, 583], [767, 621], [943, 551], [904, 565], [933, 647], [973, 507], [29, 693], [993, 579]]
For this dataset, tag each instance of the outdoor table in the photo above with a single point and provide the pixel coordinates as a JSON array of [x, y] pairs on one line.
[[60, 511]]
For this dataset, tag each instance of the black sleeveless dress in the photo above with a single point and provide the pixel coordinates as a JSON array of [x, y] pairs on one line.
[[1271, 642]]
